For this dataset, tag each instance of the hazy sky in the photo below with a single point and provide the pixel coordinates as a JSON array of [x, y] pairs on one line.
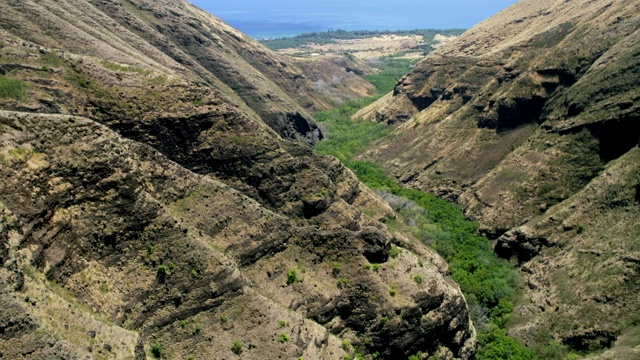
[[321, 15]]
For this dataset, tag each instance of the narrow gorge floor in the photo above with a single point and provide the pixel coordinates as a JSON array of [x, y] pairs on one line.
[[490, 284]]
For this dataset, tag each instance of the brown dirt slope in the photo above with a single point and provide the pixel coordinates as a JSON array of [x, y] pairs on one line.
[[531, 120], [150, 196]]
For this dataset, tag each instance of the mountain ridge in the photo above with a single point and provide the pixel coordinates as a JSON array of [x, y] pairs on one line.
[[530, 121]]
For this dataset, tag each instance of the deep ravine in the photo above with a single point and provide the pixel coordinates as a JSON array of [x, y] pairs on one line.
[[490, 284]]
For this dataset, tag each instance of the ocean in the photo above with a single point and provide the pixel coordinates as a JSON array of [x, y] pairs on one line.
[[284, 18]]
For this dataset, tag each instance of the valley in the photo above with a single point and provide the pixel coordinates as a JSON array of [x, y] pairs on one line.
[[493, 124]]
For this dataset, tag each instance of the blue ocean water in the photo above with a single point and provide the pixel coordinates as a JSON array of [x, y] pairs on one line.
[[280, 18]]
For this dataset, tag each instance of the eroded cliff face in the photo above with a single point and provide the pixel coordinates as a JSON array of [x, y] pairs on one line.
[[530, 120], [149, 197]]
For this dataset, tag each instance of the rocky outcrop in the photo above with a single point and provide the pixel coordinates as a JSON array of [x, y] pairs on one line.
[[138, 242], [514, 120], [154, 202]]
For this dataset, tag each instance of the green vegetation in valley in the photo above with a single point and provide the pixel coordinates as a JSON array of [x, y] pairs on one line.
[[344, 138], [392, 68], [489, 283], [330, 37]]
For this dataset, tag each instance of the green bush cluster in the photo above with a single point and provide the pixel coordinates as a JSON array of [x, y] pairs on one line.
[[283, 338], [346, 345], [237, 346], [345, 138], [495, 344], [392, 68], [342, 283], [335, 268], [161, 273], [394, 252], [292, 277], [156, 351]]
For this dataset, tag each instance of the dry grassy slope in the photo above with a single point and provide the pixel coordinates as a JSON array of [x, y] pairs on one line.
[[533, 113], [186, 171], [98, 215], [175, 37]]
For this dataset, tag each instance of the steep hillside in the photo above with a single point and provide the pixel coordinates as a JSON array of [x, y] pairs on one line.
[[176, 38], [154, 201], [530, 120]]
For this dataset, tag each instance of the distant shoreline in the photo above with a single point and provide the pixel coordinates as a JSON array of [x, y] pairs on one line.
[[269, 30], [421, 40]]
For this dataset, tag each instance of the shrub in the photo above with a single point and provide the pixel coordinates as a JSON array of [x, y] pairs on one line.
[[342, 282], [292, 277], [51, 59], [237, 346], [417, 279], [79, 79], [283, 323], [198, 329], [12, 88], [393, 292], [367, 266], [335, 268], [161, 273], [376, 267], [283, 338], [156, 351], [346, 345], [495, 344], [394, 252], [224, 318], [183, 323]]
